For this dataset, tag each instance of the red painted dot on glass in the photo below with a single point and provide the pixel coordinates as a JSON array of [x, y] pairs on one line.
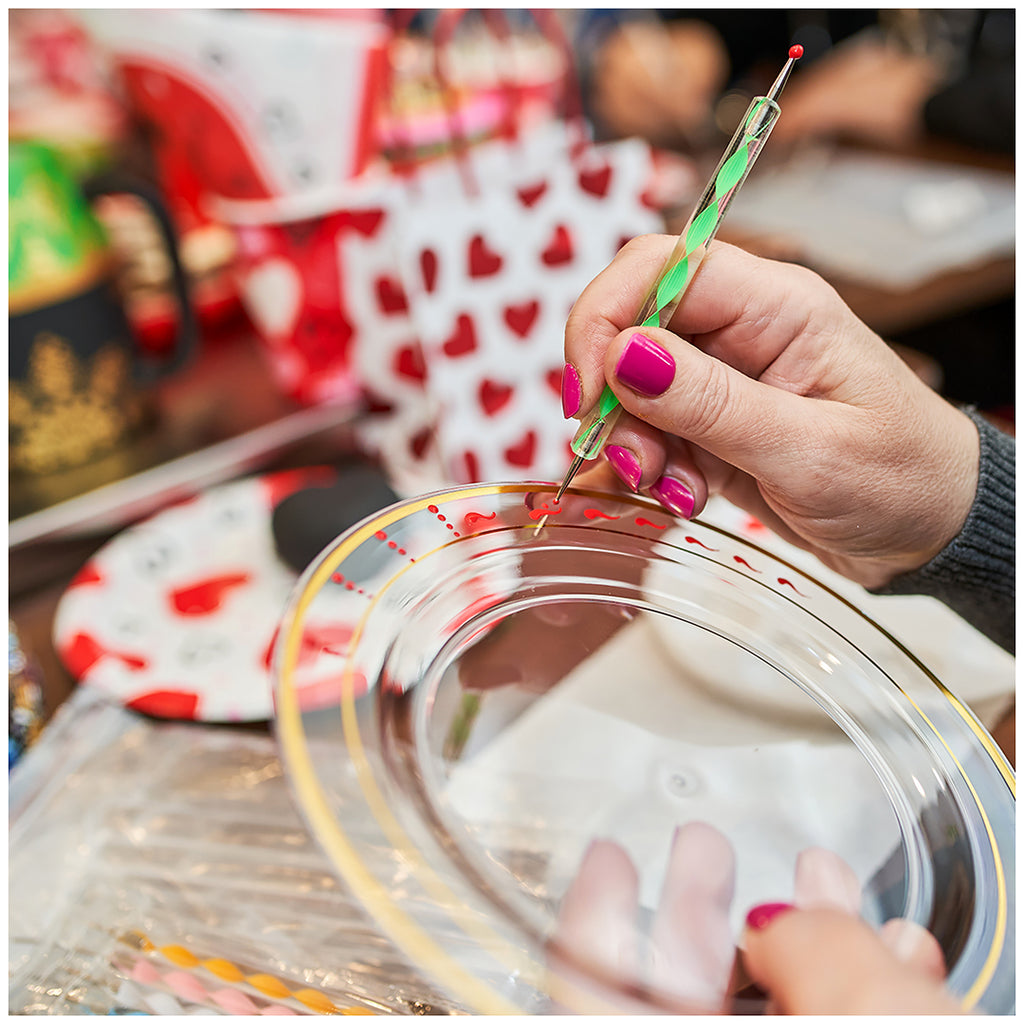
[[441, 518], [595, 513], [381, 535], [348, 584]]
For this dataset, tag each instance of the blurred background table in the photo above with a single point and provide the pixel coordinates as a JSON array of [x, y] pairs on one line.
[[221, 418]]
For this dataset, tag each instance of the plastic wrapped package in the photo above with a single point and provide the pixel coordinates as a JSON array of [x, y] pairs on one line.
[[161, 868]]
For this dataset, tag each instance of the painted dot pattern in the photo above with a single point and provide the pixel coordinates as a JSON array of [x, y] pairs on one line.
[[348, 584], [382, 536], [592, 514], [442, 518]]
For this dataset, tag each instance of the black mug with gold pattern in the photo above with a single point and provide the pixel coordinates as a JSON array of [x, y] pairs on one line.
[[77, 379]]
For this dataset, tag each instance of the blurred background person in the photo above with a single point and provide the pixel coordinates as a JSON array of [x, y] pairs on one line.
[[937, 84], [877, 76]]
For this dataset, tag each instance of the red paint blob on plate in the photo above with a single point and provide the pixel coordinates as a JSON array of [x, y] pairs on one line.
[[206, 596], [166, 703], [83, 650]]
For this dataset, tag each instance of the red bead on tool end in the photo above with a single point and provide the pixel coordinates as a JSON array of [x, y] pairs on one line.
[[796, 51]]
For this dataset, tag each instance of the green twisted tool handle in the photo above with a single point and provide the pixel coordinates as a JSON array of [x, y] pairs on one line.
[[681, 266]]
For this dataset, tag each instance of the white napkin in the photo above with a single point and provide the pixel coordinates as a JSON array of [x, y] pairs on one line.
[[626, 748]]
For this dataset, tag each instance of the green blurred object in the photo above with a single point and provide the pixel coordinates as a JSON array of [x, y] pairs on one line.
[[56, 246]]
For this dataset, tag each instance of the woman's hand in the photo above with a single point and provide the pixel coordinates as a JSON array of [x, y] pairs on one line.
[[782, 401], [659, 81], [814, 955], [827, 961]]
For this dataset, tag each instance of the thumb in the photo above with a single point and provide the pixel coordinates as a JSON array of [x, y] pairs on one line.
[[674, 386], [826, 961]]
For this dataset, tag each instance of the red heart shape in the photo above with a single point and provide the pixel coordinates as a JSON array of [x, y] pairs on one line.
[[521, 453], [391, 296], [463, 338], [493, 396], [472, 467], [554, 381], [529, 194], [428, 266], [408, 363], [482, 261], [366, 222], [596, 182], [419, 443], [375, 405], [559, 249], [520, 318]]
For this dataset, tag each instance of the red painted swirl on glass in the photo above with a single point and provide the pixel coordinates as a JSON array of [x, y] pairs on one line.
[[640, 521], [786, 583], [536, 513], [700, 543]]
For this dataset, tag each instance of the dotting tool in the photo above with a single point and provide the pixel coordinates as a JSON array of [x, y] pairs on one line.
[[668, 289]]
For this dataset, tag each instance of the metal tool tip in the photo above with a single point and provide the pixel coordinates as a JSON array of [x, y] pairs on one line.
[[573, 470]]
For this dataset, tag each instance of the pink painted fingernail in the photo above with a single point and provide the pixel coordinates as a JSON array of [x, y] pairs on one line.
[[760, 916], [625, 463], [675, 496], [645, 366], [572, 392]]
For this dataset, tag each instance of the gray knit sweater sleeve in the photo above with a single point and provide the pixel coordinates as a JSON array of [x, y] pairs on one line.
[[974, 574]]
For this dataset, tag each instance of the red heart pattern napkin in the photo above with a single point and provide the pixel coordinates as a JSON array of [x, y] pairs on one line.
[[491, 274]]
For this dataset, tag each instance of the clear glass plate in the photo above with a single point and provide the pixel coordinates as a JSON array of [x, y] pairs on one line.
[[515, 689]]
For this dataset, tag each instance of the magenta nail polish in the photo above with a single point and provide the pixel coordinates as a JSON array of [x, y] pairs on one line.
[[572, 392], [760, 916], [625, 464], [675, 496], [645, 366]]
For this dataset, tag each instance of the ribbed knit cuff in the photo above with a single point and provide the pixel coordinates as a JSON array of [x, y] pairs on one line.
[[974, 574]]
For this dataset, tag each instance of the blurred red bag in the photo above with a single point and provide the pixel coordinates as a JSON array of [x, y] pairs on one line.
[[250, 104], [441, 288], [324, 290], [493, 252]]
